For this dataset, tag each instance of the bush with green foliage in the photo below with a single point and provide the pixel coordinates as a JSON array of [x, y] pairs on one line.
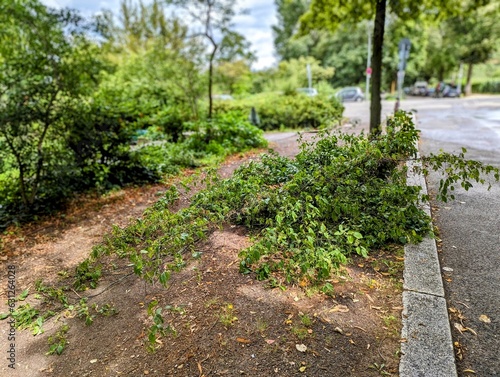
[[342, 195], [486, 87], [204, 141], [225, 133], [276, 111], [44, 75]]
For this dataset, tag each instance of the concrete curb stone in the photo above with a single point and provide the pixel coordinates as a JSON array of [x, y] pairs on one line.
[[427, 347]]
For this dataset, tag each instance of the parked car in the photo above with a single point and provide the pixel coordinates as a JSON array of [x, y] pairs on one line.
[[420, 88], [351, 93], [311, 92], [446, 90], [430, 92], [451, 91]]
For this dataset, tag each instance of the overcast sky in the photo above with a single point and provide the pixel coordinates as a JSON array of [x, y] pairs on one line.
[[255, 26]]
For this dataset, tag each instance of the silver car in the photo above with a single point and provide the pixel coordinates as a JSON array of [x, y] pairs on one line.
[[351, 93]]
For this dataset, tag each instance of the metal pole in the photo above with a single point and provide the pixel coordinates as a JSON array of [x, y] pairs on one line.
[[309, 78], [368, 63], [460, 75]]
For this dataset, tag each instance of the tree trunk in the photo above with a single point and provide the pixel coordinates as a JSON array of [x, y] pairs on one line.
[[468, 85], [378, 42], [210, 79]]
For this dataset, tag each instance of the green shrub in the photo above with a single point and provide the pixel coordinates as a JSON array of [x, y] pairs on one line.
[[486, 87], [228, 132], [342, 195], [277, 111], [169, 119], [167, 158]]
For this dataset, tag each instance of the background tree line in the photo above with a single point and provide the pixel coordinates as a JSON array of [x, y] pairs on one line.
[[129, 97], [76, 94], [444, 34]]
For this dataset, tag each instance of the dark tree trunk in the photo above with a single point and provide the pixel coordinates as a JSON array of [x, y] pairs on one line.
[[378, 42], [210, 79], [468, 85]]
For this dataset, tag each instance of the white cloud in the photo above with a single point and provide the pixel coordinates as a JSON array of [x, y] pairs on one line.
[[255, 26]]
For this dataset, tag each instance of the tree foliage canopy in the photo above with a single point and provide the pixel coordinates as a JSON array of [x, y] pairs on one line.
[[330, 14], [46, 67]]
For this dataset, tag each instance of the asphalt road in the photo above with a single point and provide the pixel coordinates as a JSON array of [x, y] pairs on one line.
[[469, 226]]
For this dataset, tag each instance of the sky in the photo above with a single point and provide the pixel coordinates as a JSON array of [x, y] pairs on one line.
[[255, 26]]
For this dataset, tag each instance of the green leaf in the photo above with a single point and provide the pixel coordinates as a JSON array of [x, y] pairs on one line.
[[23, 295], [357, 235]]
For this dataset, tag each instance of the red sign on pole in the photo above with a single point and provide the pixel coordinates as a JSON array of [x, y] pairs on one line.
[[369, 70]]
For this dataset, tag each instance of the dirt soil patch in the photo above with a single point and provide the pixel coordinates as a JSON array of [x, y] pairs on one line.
[[220, 322]]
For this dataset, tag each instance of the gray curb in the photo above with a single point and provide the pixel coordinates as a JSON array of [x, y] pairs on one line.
[[426, 348]]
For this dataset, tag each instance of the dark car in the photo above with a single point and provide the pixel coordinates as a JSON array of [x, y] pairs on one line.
[[451, 91], [446, 90], [351, 93]]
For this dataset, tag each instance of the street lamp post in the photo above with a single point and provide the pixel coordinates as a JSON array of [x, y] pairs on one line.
[[404, 53]]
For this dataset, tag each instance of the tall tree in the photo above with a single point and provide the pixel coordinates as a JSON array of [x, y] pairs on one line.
[[214, 21], [137, 26], [475, 37], [329, 14], [159, 62], [288, 14], [46, 68]]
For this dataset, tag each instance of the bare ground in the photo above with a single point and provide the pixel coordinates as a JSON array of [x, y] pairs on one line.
[[222, 323]]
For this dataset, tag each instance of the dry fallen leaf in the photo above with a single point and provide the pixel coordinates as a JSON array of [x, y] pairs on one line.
[[338, 329], [243, 340], [340, 309], [484, 318], [270, 341], [301, 347], [460, 328]]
